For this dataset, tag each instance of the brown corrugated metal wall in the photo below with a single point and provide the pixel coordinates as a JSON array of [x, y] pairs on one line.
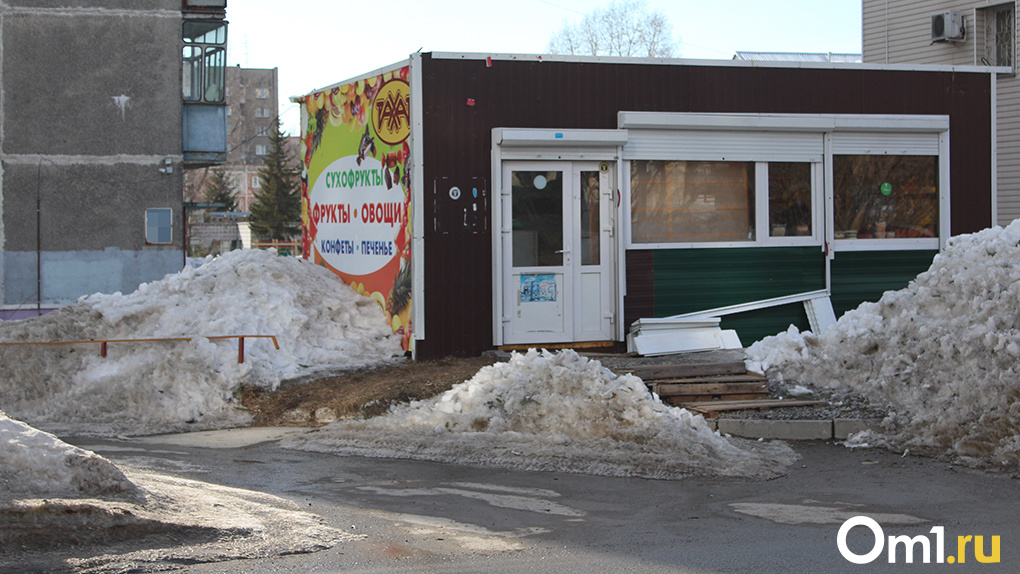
[[463, 99]]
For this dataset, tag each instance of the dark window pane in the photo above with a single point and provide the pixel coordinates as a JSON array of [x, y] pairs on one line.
[[692, 201], [537, 209], [590, 253], [885, 196], [205, 32], [789, 199]]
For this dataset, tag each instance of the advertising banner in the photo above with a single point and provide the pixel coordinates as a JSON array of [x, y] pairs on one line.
[[355, 209]]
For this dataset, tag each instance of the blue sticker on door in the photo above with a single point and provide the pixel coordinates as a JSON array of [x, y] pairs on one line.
[[537, 288]]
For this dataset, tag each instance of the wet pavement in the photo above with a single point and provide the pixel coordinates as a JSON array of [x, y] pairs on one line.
[[432, 517]]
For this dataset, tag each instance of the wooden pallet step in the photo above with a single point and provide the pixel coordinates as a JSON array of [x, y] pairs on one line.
[[688, 370], [742, 388], [746, 378], [712, 408], [685, 400]]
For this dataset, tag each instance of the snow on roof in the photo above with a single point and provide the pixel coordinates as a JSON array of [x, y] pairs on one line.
[[553, 412], [799, 57], [145, 388], [941, 353]]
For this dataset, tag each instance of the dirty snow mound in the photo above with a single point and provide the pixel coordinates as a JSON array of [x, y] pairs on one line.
[[554, 412], [144, 388], [942, 353], [37, 464]]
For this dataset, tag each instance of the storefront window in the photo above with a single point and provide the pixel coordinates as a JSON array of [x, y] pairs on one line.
[[789, 199], [885, 196], [692, 201]]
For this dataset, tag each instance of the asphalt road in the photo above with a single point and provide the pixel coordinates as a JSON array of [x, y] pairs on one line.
[[430, 517]]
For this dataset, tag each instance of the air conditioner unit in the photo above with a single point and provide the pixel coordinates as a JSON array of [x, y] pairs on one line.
[[947, 27]]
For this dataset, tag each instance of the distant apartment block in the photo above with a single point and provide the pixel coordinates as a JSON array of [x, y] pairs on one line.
[[252, 99]]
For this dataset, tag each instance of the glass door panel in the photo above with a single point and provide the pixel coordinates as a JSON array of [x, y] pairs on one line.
[[537, 212], [590, 222]]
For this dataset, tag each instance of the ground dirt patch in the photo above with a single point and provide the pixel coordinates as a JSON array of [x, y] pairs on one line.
[[357, 394]]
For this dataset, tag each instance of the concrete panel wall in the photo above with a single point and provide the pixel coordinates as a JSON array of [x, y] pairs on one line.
[[82, 82], [172, 5], [67, 275], [88, 206], [90, 112]]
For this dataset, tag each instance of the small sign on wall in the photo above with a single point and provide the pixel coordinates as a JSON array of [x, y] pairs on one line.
[[538, 288]]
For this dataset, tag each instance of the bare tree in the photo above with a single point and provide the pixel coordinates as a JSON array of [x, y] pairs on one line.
[[623, 28]]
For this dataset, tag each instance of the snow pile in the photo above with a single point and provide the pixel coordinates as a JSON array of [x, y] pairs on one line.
[[553, 412], [55, 495], [941, 353], [139, 388], [39, 465]]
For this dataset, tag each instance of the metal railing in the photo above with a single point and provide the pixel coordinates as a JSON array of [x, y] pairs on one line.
[[104, 342]]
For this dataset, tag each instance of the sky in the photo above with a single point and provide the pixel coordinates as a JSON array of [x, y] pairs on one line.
[[317, 43]]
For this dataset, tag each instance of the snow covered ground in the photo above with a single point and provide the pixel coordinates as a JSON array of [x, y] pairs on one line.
[[52, 493], [54, 496], [553, 412], [942, 353], [148, 388]]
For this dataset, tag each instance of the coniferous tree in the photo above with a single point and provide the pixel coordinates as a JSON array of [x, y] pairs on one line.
[[276, 211], [219, 190]]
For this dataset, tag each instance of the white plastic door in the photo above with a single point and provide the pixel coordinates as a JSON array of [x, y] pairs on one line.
[[556, 252]]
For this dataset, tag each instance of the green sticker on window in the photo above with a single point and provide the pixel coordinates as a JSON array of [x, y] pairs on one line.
[[886, 188]]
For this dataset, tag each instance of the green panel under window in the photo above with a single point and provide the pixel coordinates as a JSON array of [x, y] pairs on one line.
[[688, 280], [859, 276], [756, 325]]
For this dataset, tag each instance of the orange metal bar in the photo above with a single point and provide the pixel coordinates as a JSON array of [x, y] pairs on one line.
[[103, 342]]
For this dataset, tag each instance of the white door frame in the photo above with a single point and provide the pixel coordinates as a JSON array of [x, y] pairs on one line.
[[520, 144], [572, 299]]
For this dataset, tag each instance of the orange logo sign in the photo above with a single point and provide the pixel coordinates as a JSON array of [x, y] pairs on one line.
[[391, 115]]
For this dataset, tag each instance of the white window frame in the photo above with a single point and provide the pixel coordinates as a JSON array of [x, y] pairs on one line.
[[885, 134], [761, 197], [885, 146], [153, 229], [983, 24], [762, 237]]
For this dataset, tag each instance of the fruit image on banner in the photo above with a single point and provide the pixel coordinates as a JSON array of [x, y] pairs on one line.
[[355, 189]]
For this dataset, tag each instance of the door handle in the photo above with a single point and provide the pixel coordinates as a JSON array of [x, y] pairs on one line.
[[562, 251]]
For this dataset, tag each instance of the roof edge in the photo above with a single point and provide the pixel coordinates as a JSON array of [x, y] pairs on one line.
[[718, 63]]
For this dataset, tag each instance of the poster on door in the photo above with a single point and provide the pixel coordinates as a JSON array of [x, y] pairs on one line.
[[355, 189]]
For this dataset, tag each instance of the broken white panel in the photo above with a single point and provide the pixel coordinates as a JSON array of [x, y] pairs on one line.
[[820, 314], [682, 340]]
